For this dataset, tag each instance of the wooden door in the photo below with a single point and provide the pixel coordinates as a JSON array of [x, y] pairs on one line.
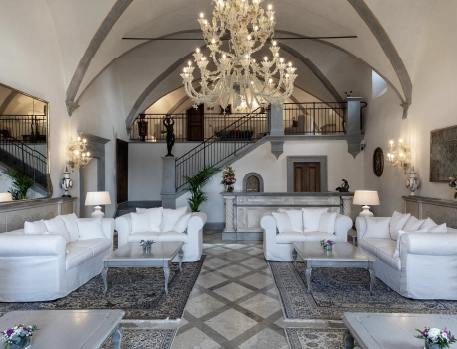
[[195, 124], [122, 172], [307, 177]]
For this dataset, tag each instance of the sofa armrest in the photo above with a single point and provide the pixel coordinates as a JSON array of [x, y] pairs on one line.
[[123, 226], [361, 227], [108, 227], [268, 224], [196, 223], [342, 226], [32, 245], [432, 244]]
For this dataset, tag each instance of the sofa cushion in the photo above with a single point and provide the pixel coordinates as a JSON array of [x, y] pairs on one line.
[[170, 217], [296, 219], [141, 222], [56, 226], [283, 222], [172, 236], [442, 228], [428, 224], [155, 217], [397, 222], [98, 246], [386, 255], [319, 236], [77, 255], [37, 227], [181, 225], [371, 245], [137, 237], [311, 218], [377, 228], [327, 222], [413, 224], [90, 228], [287, 238], [72, 226]]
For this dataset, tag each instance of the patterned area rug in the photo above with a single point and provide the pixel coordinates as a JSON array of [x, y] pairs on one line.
[[144, 339], [138, 291], [324, 338], [338, 290]]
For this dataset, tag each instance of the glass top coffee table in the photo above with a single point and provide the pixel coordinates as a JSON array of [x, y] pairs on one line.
[[341, 255], [132, 255]]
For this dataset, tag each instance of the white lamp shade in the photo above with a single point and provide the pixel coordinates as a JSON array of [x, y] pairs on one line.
[[366, 197], [6, 197], [97, 198]]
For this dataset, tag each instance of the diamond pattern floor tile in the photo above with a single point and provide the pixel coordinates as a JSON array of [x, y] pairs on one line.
[[265, 339], [194, 338], [257, 280], [232, 291], [238, 323], [210, 280], [202, 305], [262, 305], [233, 270], [254, 263], [215, 263]]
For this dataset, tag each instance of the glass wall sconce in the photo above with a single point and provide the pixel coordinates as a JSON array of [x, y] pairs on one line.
[[78, 154], [399, 154]]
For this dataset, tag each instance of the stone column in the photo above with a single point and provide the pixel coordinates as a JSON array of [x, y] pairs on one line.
[[168, 192], [347, 205], [229, 217], [276, 122], [353, 126]]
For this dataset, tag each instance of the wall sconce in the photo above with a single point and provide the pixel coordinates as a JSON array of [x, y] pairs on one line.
[[399, 154], [77, 153]]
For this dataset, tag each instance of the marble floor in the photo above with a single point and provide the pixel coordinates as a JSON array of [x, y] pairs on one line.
[[234, 303]]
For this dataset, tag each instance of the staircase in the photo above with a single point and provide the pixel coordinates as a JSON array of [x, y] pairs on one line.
[[222, 147]]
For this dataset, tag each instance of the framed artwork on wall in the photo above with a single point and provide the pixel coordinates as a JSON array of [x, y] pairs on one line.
[[443, 154], [378, 162]]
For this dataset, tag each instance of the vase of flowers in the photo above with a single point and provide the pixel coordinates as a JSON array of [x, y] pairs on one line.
[[453, 185], [146, 244], [435, 338], [327, 244], [228, 178], [18, 337]]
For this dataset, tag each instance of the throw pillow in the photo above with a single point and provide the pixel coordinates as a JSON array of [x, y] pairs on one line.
[[181, 224], [413, 224], [155, 218], [397, 222], [327, 222], [400, 233], [57, 226], [296, 219], [442, 228], [140, 222], [283, 222], [377, 228], [90, 228], [312, 218], [428, 224], [170, 217], [37, 227], [72, 226]]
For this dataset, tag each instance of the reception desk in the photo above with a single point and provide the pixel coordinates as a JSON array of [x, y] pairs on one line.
[[244, 209]]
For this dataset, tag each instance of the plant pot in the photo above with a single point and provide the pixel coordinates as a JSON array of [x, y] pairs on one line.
[[431, 345], [229, 188], [23, 344], [328, 247]]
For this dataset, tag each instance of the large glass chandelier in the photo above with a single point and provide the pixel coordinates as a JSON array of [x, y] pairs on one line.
[[238, 77]]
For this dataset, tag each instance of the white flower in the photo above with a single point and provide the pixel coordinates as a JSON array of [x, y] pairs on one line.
[[433, 334], [444, 336]]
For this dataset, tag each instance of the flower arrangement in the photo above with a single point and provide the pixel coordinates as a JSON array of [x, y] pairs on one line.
[[453, 184], [146, 244], [436, 336], [228, 178], [18, 337], [327, 244]]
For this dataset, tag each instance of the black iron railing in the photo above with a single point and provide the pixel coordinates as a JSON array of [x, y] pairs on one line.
[[28, 128], [17, 154], [222, 145]]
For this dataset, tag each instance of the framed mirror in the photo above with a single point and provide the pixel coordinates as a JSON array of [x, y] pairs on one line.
[[24, 130]]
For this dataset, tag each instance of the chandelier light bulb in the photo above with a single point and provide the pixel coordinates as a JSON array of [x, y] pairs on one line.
[[213, 41], [400, 140], [224, 56], [391, 142], [84, 140], [79, 139], [256, 28], [266, 58], [198, 50], [202, 15], [274, 43], [281, 60], [272, 18], [270, 81], [88, 154], [249, 37], [270, 7]]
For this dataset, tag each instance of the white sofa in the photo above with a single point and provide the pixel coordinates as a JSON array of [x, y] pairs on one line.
[[427, 264], [192, 234], [277, 245], [41, 267]]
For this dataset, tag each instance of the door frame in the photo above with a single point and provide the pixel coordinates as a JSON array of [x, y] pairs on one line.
[[322, 160]]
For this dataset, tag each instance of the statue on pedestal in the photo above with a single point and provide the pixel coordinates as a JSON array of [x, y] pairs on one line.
[[168, 122], [344, 188]]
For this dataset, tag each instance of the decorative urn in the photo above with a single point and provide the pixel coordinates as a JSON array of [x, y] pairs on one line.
[[412, 183], [66, 183]]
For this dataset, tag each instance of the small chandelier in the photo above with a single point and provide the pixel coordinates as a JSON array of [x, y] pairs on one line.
[[77, 153], [238, 77], [399, 154]]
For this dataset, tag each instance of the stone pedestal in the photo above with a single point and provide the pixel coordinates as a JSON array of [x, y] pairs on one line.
[[229, 216], [168, 192], [276, 121]]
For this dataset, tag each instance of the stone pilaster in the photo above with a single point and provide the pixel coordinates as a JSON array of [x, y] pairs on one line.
[[168, 182], [229, 217], [347, 205], [276, 121]]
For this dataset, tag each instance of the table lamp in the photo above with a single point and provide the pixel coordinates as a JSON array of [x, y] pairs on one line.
[[6, 197], [97, 198], [365, 198]]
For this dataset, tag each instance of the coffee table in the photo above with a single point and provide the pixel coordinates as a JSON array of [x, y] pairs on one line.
[[132, 255], [342, 254], [76, 329], [377, 330]]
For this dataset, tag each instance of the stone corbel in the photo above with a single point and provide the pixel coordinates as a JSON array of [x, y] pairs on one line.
[[353, 146], [71, 107], [405, 106], [277, 148]]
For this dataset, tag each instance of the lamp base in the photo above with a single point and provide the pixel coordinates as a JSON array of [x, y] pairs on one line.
[[98, 212], [366, 212]]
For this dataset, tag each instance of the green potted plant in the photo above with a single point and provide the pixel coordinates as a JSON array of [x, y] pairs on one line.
[[196, 183], [20, 183]]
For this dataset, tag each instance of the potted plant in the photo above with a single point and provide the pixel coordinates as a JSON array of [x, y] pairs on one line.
[[20, 183], [196, 183], [436, 338]]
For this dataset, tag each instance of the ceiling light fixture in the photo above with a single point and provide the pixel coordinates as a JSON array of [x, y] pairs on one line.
[[238, 78]]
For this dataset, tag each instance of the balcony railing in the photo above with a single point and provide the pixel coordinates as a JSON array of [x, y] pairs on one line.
[[26, 128]]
